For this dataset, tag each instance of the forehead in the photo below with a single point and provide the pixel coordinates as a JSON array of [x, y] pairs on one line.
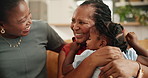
[[84, 12], [19, 11]]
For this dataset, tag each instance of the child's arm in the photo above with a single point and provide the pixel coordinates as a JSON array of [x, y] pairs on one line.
[[143, 60], [133, 42], [67, 65]]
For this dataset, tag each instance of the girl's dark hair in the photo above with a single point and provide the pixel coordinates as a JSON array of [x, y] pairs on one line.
[[114, 34], [111, 30], [102, 11], [6, 5]]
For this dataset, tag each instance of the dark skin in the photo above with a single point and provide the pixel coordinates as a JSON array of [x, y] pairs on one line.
[[81, 23], [106, 53], [133, 42], [67, 65], [18, 23], [118, 68], [68, 68], [93, 39]]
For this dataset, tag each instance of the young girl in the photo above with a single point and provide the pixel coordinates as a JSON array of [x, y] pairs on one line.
[[101, 35]]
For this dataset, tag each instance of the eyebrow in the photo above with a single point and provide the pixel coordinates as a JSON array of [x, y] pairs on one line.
[[24, 17]]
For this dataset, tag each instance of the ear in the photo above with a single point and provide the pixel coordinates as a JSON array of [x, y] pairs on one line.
[[103, 42]]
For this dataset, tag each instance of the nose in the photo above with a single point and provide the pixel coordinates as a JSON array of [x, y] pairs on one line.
[[75, 26], [29, 20]]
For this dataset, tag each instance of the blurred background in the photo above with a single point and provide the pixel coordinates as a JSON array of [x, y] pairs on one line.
[[132, 14]]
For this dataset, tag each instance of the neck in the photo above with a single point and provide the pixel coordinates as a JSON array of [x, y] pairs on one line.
[[9, 36]]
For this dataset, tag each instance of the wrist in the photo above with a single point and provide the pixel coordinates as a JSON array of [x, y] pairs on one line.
[[135, 68], [92, 61], [140, 71]]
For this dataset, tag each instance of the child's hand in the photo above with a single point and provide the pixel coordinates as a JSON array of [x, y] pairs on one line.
[[74, 47], [132, 39]]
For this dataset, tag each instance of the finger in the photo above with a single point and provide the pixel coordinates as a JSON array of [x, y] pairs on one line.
[[129, 34], [105, 68], [115, 55], [114, 75], [111, 73]]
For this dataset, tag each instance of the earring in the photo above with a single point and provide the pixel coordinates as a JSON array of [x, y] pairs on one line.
[[2, 31]]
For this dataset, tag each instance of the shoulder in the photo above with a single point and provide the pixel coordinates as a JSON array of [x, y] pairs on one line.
[[66, 48], [39, 25], [38, 22]]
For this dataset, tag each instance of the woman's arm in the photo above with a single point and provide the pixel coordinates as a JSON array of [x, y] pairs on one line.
[[84, 70], [122, 68], [61, 59], [144, 61], [88, 65]]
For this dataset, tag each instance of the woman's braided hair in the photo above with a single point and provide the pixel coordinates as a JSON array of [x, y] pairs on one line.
[[102, 11], [6, 5], [102, 19]]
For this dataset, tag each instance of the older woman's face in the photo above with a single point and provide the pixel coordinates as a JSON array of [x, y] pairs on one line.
[[81, 23], [18, 20]]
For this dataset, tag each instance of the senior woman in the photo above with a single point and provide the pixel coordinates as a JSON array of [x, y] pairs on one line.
[[23, 42], [84, 17]]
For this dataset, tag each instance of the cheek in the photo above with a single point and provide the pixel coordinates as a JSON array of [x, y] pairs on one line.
[[98, 44], [85, 29], [19, 28], [71, 27], [89, 43]]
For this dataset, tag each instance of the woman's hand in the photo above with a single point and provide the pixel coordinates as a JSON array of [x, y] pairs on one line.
[[74, 47], [105, 55], [120, 68]]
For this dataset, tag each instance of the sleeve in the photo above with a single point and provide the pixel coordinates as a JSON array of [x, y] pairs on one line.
[[79, 58], [131, 54], [54, 40]]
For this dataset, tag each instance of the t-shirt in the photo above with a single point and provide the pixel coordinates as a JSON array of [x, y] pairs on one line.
[[28, 60], [129, 54], [66, 48]]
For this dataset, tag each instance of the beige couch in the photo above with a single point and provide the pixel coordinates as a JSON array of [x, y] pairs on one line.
[[52, 64]]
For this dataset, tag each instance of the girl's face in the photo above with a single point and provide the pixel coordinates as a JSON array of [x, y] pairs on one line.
[[95, 40], [81, 23], [18, 21]]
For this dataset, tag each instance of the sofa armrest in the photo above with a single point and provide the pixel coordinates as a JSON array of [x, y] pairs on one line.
[[52, 64]]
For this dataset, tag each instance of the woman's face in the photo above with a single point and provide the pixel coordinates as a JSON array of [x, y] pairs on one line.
[[18, 21], [82, 22]]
